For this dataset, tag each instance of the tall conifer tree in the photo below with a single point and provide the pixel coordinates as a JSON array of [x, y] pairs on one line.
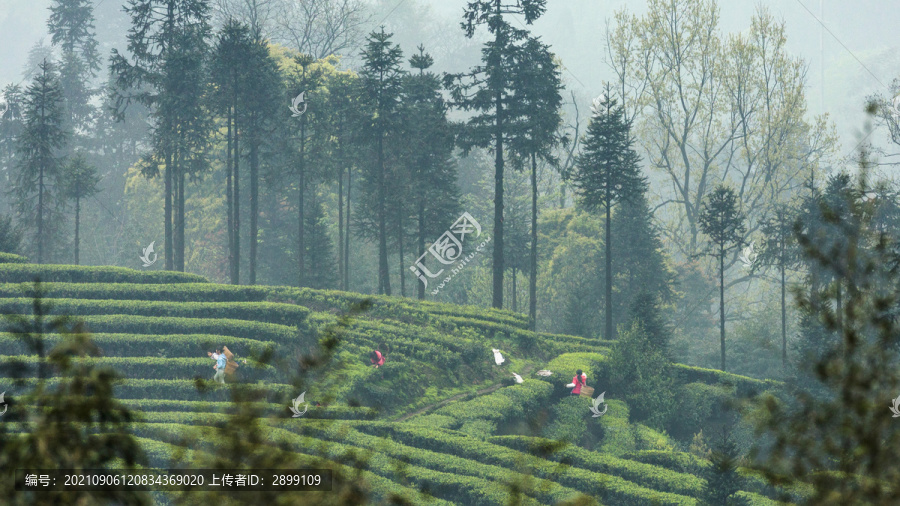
[[39, 153], [168, 43], [723, 222], [489, 89], [607, 173], [381, 79]]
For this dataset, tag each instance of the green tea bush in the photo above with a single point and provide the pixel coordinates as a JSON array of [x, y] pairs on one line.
[[744, 386], [570, 420], [609, 489], [563, 367], [177, 292], [12, 258], [652, 476], [26, 273], [701, 405], [676, 461], [281, 314]]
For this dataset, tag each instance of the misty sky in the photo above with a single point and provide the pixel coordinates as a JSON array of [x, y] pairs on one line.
[[575, 29]]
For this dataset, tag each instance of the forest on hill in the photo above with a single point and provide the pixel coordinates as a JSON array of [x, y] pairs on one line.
[[411, 220]]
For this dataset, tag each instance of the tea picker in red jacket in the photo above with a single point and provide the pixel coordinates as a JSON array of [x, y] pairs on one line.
[[376, 358], [578, 381]]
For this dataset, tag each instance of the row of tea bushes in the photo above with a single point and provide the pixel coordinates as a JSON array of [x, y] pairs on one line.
[[609, 489], [652, 476], [547, 492], [27, 273], [267, 312], [175, 292]]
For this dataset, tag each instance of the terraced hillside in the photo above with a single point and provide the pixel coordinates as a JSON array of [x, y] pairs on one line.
[[440, 421]]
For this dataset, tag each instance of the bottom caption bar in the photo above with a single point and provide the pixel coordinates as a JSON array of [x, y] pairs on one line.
[[83, 480]]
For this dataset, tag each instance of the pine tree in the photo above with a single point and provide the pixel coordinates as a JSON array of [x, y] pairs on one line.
[[39, 152], [80, 182], [428, 150], [723, 222], [11, 120], [538, 87], [639, 263], [490, 89], [10, 236], [607, 173], [780, 251], [266, 95], [320, 273], [168, 43], [722, 478], [71, 27], [382, 80], [344, 99]]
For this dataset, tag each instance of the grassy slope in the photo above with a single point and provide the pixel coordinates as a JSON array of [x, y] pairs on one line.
[[156, 327]]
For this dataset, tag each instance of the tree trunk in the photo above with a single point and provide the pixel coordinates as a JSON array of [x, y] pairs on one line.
[[783, 315], [347, 238], [400, 244], [420, 290], [179, 238], [77, 222], [514, 298], [236, 276], [532, 277], [609, 277], [498, 206], [722, 303], [341, 214], [254, 208], [40, 220], [384, 280], [301, 185], [170, 247], [229, 195]]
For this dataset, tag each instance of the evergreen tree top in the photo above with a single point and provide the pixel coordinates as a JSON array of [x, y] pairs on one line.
[[721, 219]]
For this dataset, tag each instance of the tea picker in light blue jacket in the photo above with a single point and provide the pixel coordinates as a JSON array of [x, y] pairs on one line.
[[221, 360]]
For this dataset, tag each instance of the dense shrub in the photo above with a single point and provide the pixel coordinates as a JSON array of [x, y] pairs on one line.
[[639, 374], [744, 386], [701, 406]]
